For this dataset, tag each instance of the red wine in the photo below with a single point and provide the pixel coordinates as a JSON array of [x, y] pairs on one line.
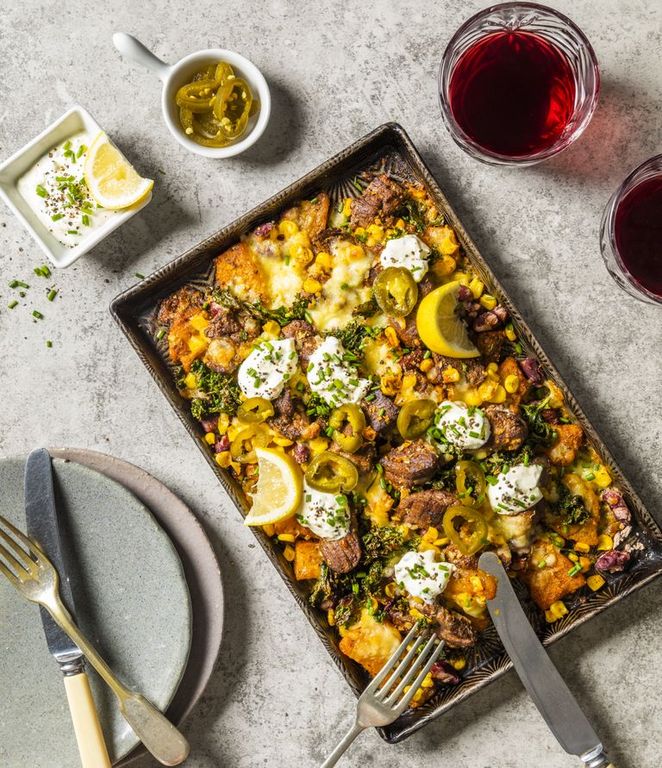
[[638, 231], [513, 93]]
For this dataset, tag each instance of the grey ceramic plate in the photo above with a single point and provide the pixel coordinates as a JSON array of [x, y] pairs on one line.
[[132, 600], [389, 150]]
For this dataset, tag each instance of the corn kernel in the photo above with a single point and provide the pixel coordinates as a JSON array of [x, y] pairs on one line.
[[426, 364], [499, 396], [347, 207], [223, 423], [487, 389], [223, 459], [581, 546], [355, 252], [427, 682], [461, 277], [199, 322], [198, 344], [511, 383], [432, 533], [391, 336], [191, 381], [210, 438], [595, 582], [288, 553], [441, 542], [302, 254], [605, 543], [450, 375], [282, 441], [390, 589], [331, 617], [400, 224], [269, 529], [318, 445], [585, 563], [572, 556], [286, 537], [390, 384], [416, 613], [360, 232], [473, 397], [558, 609], [288, 228], [310, 285], [324, 260], [480, 454], [459, 663], [376, 232], [602, 478], [487, 301], [550, 618], [476, 287], [492, 368], [476, 583], [510, 333]]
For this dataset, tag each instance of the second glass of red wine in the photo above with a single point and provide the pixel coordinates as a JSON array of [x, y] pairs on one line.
[[518, 83], [631, 233]]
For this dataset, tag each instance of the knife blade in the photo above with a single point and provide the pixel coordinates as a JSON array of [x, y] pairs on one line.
[[44, 527], [544, 684]]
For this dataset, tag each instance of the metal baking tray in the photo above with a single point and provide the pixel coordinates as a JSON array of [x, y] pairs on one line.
[[387, 149]]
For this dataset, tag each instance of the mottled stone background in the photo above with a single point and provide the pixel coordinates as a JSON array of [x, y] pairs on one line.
[[337, 70]]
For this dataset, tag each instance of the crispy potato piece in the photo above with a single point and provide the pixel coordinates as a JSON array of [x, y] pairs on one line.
[[509, 367], [568, 441], [293, 526], [239, 269], [369, 642], [307, 560], [551, 582], [183, 303], [469, 589], [586, 532], [310, 215], [185, 342]]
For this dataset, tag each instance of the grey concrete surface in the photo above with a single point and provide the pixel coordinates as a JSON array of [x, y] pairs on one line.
[[337, 70]]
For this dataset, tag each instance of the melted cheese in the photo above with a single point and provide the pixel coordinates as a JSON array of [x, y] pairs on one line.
[[344, 290]]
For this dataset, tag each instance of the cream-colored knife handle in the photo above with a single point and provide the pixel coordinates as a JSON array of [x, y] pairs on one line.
[[91, 745]]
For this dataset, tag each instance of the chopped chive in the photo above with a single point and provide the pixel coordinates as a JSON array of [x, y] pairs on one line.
[[72, 232], [139, 276], [41, 191], [12, 304], [37, 314], [42, 271], [86, 220], [57, 216], [81, 149], [51, 294], [160, 334], [67, 144], [18, 284], [589, 476], [49, 343]]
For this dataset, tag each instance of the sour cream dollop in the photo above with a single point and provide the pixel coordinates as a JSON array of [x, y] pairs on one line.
[[326, 514], [464, 427], [268, 368], [409, 252], [516, 490], [332, 377], [422, 575]]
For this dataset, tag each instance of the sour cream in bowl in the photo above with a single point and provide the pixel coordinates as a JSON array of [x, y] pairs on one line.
[[516, 490], [465, 427]]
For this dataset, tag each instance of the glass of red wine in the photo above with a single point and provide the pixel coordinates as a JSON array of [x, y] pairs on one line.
[[518, 83], [631, 232]]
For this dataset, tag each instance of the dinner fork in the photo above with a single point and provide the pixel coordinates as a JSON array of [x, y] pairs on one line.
[[28, 569], [392, 690]]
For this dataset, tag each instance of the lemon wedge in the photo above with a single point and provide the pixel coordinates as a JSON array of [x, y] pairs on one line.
[[439, 326], [113, 182], [279, 488]]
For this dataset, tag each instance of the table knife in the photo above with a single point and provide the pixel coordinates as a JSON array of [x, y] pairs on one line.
[[43, 526], [540, 677]]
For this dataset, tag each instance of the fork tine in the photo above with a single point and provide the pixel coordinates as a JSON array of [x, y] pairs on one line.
[[406, 699], [20, 569], [411, 671], [10, 576], [390, 664], [31, 546], [18, 550]]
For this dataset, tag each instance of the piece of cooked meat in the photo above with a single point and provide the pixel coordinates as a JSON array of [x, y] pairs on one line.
[[425, 509], [411, 463], [405, 328], [363, 459], [380, 198], [547, 574], [456, 630], [490, 345], [238, 269], [291, 420], [311, 216], [474, 371], [381, 412], [305, 338], [508, 429], [342, 555], [184, 301]]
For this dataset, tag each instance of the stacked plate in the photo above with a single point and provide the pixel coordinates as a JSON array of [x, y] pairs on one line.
[[149, 596]]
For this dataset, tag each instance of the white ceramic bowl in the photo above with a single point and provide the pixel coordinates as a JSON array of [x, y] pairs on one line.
[[173, 77], [72, 122]]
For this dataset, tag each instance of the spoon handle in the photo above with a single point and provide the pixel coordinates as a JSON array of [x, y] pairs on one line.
[[132, 48]]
